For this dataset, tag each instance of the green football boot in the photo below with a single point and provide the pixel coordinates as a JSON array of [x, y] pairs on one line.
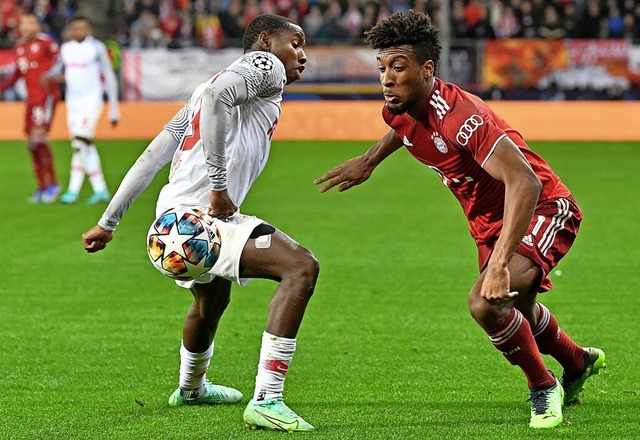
[[211, 395], [546, 406], [274, 414], [594, 363]]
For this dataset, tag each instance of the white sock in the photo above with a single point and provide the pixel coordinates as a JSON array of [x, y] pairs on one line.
[[77, 165], [275, 357], [94, 169], [193, 371]]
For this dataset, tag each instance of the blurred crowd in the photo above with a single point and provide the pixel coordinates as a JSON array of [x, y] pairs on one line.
[[218, 23]]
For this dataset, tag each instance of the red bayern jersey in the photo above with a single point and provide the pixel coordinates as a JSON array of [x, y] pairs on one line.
[[454, 134], [33, 59]]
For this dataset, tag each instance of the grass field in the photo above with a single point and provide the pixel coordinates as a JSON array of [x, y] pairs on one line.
[[89, 343]]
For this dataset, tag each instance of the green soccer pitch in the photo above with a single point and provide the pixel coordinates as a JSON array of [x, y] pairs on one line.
[[89, 343]]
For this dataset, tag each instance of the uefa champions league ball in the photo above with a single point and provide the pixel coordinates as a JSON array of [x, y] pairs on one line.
[[182, 244]]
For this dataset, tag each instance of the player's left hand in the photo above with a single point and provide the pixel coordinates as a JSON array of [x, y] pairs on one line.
[[96, 239], [496, 285], [346, 175], [222, 206]]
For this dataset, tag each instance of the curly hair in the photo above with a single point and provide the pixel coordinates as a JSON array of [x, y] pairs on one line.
[[412, 28], [269, 23]]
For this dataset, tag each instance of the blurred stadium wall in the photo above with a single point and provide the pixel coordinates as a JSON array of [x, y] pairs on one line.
[[361, 120], [548, 90]]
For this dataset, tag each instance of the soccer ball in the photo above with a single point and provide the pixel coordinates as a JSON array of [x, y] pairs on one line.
[[182, 244]]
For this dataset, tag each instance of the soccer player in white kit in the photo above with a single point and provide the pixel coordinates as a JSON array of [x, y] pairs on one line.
[[88, 74], [218, 144]]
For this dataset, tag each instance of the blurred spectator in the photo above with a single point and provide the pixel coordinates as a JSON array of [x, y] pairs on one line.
[[459, 28], [631, 26], [145, 31], [589, 26], [209, 32], [332, 28], [570, 14], [352, 19], [215, 23], [551, 28], [473, 12], [614, 22], [482, 28], [527, 21], [369, 16], [507, 25], [313, 21], [9, 14], [231, 19]]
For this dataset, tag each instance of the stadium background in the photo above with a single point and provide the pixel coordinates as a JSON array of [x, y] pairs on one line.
[[88, 343], [549, 51]]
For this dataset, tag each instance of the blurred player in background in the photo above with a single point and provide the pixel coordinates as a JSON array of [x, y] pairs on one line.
[[37, 55], [88, 73], [520, 214], [218, 144]]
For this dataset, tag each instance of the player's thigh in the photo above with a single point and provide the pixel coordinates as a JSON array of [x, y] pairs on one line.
[[214, 294], [282, 255], [524, 278]]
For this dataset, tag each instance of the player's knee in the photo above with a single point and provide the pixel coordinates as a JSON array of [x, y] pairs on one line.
[[305, 271], [78, 145], [485, 314]]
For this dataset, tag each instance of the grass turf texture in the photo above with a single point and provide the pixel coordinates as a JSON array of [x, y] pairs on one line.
[[89, 343]]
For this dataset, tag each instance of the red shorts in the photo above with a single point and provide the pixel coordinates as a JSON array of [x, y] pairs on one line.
[[549, 237], [40, 114]]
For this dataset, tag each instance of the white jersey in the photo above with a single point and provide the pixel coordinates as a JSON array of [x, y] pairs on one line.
[[248, 140], [88, 74]]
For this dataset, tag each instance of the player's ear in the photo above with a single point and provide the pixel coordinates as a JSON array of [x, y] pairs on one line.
[[264, 41], [427, 69]]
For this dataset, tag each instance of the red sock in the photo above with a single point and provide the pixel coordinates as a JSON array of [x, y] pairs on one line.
[[46, 162], [515, 340], [552, 340], [37, 168]]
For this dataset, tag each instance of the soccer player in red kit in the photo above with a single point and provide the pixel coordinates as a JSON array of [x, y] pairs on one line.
[[37, 62], [520, 214]]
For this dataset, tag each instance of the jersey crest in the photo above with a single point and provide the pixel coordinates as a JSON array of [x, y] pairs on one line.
[[439, 142]]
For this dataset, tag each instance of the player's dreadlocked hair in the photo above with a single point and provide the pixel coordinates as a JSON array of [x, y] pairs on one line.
[[269, 23], [412, 28]]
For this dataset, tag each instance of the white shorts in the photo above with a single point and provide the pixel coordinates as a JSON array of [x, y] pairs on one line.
[[234, 234], [83, 119]]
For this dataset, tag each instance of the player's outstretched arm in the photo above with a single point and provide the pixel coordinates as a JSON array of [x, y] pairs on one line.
[[96, 239], [158, 153], [355, 171]]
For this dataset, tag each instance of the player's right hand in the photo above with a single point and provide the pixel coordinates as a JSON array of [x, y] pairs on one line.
[[96, 239], [221, 205], [348, 174]]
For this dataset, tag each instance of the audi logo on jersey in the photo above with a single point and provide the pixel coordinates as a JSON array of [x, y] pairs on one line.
[[466, 130]]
